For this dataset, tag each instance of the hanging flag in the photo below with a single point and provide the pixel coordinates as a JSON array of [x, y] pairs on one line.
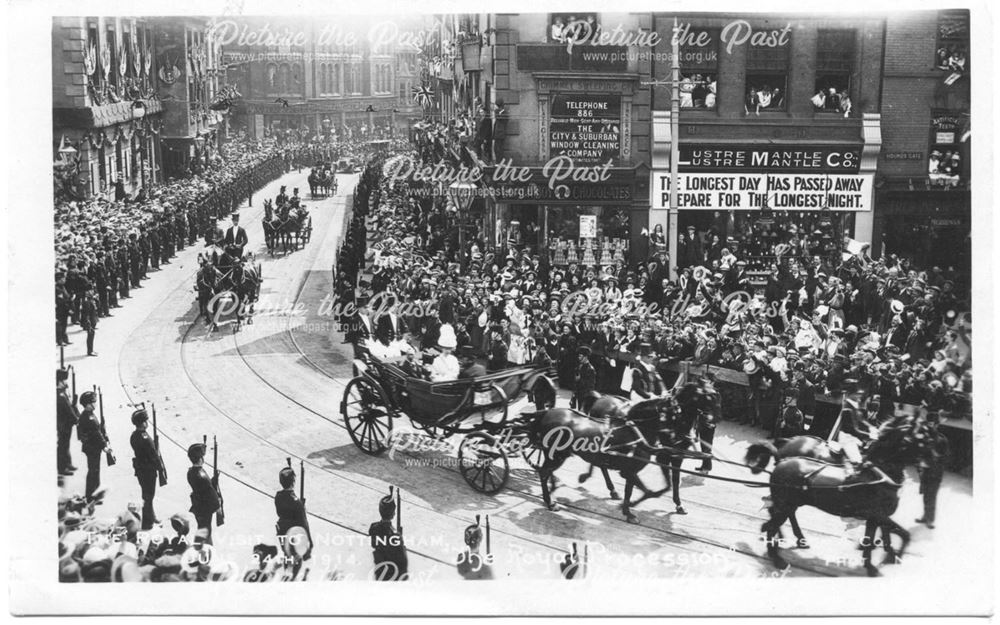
[[423, 95]]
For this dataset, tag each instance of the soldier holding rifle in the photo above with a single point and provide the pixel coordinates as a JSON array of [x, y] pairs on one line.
[[204, 498], [146, 464], [93, 439], [291, 509], [388, 550]]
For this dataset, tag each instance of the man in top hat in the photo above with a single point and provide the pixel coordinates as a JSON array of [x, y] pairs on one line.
[[204, 497], [92, 439], [361, 328], [388, 550], [235, 238], [646, 382], [67, 416], [146, 464], [585, 378]]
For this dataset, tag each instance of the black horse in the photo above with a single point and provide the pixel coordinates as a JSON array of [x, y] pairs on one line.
[[270, 227], [699, 400], [870, 492], [650, 429]]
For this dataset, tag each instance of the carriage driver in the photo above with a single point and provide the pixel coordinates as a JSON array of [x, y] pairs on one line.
[[235, 238]]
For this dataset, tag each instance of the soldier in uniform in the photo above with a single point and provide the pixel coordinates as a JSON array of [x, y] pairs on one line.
[[111, 267], [204, 498], [586, 378], [93, 440], [166, 230], [290, 511], [146, 464], [63, 304], [153, 236], [88, 319], [98, 275], [67, 416], [388, 550], [472, 564]]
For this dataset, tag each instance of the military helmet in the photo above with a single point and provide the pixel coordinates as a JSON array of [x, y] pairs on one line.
[[89, 397], [286, 477], [387, 507], [139, 416], [473, 536]]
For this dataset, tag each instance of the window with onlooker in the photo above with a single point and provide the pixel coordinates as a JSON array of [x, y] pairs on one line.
[[952, 52], [767, 77], [834, 65], [699, 60], [575, 27]]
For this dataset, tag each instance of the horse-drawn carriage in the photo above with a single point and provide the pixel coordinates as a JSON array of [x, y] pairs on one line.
[[289, 226], [227, 285], [477, 408], [322, 181]]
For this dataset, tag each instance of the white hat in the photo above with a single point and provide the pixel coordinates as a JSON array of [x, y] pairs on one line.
[[447, 339]]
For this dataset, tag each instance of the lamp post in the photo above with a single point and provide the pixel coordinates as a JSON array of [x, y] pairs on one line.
[[462, 194]]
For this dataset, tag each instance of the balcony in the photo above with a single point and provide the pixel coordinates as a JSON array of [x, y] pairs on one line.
[[103, 116]]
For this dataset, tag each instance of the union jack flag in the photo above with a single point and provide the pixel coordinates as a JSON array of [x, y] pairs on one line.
[[423, 95]]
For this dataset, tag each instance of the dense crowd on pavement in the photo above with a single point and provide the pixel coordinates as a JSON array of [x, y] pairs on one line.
[[104, 248], [886, 330]]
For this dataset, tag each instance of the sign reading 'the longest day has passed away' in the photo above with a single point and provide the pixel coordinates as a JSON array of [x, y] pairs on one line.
[[587, 128]]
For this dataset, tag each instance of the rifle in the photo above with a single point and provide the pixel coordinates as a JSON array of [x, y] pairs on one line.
[[399, 511], [487, 534], [161, 469], [72, 371], [62, 357], [220, 514], [109, 453], [302, 497]]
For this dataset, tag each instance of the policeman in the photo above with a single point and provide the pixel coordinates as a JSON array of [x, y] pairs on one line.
[[388, 550], [93, 440], [67, 416], [289, 508], [931, 468], [586, 378], [145, 463], [204, 498]]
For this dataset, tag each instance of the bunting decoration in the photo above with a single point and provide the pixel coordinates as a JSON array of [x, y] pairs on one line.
[[147, 61], [105, 57], [122, 60], [90, 60]]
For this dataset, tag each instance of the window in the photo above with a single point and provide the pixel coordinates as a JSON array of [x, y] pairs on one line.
[[575, 27], [335, 88], [272, 81], [699, 60], [953, 41], [945, 161], [767, 77], [284, 78], [112, 43], [834, 62], [324, 86]]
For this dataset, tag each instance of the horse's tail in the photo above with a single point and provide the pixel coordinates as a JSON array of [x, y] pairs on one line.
[[759, 455]]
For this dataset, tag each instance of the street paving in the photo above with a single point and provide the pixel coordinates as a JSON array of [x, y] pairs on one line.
[[272, 391]]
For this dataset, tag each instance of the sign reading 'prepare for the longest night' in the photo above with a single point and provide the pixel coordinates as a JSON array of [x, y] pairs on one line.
[[750, 191], [586, 128], [787, 159]]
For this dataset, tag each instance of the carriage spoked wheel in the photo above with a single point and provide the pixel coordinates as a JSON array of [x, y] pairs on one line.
[[533, 454], [483, 463], [366, 417]]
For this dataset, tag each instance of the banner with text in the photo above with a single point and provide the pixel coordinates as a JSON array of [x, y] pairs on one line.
[[732, 191], [586, 128]]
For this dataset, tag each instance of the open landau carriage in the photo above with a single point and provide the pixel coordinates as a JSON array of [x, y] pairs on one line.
[[477, 408]]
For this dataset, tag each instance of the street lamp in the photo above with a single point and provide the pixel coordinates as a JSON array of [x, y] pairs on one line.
[[462, 194]]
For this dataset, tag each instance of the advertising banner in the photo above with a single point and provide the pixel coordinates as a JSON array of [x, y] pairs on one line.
[[586, 128], [736, 191]]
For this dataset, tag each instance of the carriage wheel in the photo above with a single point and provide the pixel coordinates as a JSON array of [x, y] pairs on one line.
[[533, 454], [483, 463], [366, 417]]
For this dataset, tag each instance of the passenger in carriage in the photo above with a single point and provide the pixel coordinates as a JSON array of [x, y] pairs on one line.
[[445, 366], [467, 360]]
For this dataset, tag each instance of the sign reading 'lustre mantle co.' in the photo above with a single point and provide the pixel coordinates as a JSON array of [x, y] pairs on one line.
[[586, 128], [774, 159]]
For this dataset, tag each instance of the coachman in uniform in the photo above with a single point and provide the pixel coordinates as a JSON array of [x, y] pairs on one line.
[[146, 464], [646, 382], [204, 498]]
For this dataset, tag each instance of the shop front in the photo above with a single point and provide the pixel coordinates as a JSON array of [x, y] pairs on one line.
[[585, 223], [932, 226], [796, 200]]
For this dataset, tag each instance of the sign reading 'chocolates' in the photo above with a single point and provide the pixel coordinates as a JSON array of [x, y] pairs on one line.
[[587, 128]]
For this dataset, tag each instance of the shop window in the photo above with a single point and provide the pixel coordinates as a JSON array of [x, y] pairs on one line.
[[944, 163], [953, 41], [767, 77], [834, 63], [575, 27]]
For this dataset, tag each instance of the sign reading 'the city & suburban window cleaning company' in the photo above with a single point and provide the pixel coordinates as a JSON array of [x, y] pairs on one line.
[[586, 128], [750, 191]]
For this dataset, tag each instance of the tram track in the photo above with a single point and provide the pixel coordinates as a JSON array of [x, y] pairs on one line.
[[289, 330]]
